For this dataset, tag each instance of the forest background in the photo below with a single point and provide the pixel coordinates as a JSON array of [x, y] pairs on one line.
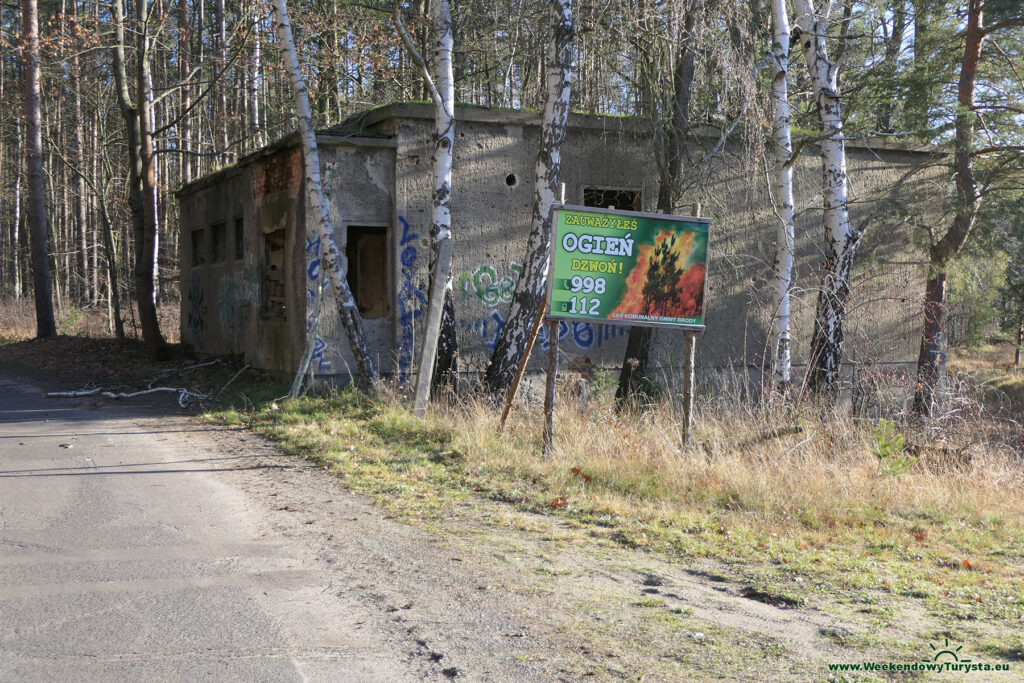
[[208, 79]]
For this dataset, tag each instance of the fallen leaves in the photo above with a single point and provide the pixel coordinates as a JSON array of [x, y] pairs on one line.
[[581, 474]]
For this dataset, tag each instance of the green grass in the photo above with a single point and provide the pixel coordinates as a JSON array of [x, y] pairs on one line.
[[900, 541]]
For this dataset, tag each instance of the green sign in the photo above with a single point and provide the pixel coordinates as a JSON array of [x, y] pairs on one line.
[[627, 267]]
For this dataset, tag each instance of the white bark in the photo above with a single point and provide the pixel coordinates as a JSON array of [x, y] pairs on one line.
[[442, 92], [185, 396], [254, 80], [840, 239], [785, 242], [331, 263], [532, 284]]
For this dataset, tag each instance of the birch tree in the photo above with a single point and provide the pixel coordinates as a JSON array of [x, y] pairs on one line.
[[785, 241], [439, 340], [532, 283], [45, 325], [331, 262], [840, 238]]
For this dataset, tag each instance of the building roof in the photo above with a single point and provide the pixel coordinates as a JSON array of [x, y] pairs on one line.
[[366, 129]]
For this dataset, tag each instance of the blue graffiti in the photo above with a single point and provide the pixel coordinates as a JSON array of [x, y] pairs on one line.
[[408, 295], [319, 349], [584, 334]]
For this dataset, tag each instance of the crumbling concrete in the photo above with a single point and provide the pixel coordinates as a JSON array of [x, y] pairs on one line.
[[256, 299]]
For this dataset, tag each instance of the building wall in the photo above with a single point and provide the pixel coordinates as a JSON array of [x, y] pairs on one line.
[[226, 308], [386, 184], [358, 180], [491, 214]]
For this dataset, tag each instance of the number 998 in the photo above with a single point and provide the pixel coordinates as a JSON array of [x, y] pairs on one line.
[[587, 284]]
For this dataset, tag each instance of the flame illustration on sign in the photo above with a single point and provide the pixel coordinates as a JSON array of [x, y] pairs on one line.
[[664, 283]]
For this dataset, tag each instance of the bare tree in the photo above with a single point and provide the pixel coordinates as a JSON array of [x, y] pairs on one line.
[[439, 340], [142, 174], [331, 262], [670, 151], [45, 325], [532, 283], [785, 239], [841, 239]]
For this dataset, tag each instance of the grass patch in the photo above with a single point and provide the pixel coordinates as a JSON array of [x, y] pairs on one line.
[[808, 518]]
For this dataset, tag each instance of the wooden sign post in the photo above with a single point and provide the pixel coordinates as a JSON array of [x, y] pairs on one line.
[[549, 388], [688, 378], [624, 268]]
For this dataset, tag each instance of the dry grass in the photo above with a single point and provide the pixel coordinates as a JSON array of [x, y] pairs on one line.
[[18, 320], [796, 510], [990, 368], [827, 474]]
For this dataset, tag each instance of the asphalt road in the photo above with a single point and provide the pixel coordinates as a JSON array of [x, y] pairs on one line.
[[137, 546]]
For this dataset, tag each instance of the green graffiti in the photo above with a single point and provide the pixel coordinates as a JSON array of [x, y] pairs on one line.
[[487, 287]]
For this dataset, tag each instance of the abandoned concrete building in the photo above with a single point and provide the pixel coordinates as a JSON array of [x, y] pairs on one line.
[[250, 261]]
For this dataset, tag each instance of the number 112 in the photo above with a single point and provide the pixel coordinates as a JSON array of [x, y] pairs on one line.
[[578, 305]]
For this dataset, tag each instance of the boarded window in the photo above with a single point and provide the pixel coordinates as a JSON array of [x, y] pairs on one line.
[[274, 275], [198, 247], [218, 242], [367, 251], [239, 238], [623, 200]]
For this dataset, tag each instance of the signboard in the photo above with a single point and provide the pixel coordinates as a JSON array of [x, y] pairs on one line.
[[632, 268]]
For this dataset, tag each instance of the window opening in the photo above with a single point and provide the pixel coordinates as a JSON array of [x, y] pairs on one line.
[[274, 274], [198, 247], [218, 242], [239, 238], [623, 200], [367, 251]]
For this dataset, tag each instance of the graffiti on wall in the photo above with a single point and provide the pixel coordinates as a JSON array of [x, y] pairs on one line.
[[320, 348], [486, 287], [196, 311], [410, 300], [583, 334], [235, 292]]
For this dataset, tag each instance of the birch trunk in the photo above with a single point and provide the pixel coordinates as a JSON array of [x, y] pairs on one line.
[[532, 284], [785, 240], [146, 248], [255, 78], [45, 325], [438, 351], [331, 263], [16, 233], [840, 238], [222, 98], [185, 96]]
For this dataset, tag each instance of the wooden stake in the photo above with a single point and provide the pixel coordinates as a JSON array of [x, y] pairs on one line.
[[549, 389], [521, 369], [691, 356]]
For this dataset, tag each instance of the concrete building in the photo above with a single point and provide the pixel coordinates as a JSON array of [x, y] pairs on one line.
[[250, 261]]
